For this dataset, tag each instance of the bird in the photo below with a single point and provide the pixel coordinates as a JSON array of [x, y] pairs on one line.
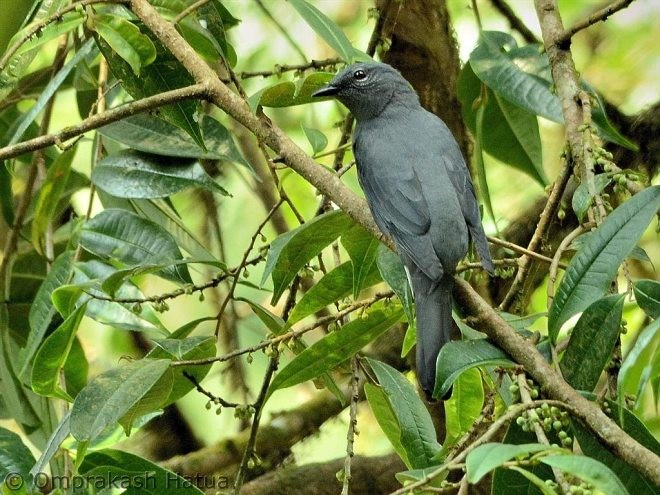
[[419, 191]]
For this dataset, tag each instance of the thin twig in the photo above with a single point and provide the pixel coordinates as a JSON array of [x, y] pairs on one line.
[[285, 32], [101, 119], [600, 15], [563, 246], [292, 334], [248, 453], [189, 10], [512, 413], [514, 21], [213, 398], [352, 424], [280, 69], [520, 249]]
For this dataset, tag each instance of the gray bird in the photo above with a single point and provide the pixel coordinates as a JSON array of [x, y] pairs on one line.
[[419, 192]]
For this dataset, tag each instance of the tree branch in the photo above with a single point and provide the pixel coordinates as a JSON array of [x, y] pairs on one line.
[[328, 183], [601, 15], [102, 119]]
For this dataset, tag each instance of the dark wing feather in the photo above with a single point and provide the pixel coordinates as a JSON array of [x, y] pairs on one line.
[[397, 203]]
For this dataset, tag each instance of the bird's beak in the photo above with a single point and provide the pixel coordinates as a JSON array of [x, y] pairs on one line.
[[328, 90]]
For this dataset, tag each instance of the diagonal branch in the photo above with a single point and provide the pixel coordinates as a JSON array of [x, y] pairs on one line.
[[328, 183], [601, 15]]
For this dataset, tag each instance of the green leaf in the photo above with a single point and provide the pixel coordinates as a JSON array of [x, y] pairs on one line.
[[479, 163], [143, 132], [50, 194], [288, 93], [136, 475], [457, 356], [316, 138], [42, 309], [387, 420], [632, 479], [218, 20], [418, 436], [333, 286], [582, 198], [292, 250], [16, 458], [47, 93], [51, 448], [464, 406], [336, 347], [6, 195], [362, 248], [278, 326], [164, 74], [178, 349], [125, 39], [515, 140], [124, 236], [112, 394], [489, 456], [589, 470], [133, 174], [491, 64], [67, 22], [534, 480], [592, 342], [52, 355], [647, 295], [325, 28], [393, 272], [635, 369], [592, 269]]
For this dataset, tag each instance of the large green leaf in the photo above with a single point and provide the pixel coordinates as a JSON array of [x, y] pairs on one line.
[[636, 368], [647, 295], [125, 39], [111, 395], [67, 22], [362, 248], [334, 286], [164, 74], [218, 20], [15, 458], [53, 353], [489, 456], [50, 194], [387, 420], [289, 93], [133, 240], [291, 251], [515, 140], [198, 347], [633, 480], [133, 174], [591, 271], [592, 342], [143, 132], [42, 309], [594, 472], [336, 347], [464, 406], [393, 272], [418, 436], [326, 29], [457, 356], [136, 475]]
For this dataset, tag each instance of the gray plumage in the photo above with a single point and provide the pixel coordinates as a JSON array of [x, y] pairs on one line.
[[419, 191]]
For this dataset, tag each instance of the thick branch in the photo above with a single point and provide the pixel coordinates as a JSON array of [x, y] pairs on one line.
[[328, 183]]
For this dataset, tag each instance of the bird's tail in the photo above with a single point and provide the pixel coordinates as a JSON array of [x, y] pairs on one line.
[[433, 303]]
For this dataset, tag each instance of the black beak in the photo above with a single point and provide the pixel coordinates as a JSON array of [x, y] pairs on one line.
[[328, 90]]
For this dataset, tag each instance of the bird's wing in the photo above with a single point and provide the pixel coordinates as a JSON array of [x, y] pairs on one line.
[[452, 160], [396, 200]]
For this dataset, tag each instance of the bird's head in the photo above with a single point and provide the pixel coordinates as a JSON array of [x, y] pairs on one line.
[[366, 88]]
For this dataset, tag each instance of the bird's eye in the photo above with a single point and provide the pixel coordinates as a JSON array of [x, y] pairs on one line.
[[359, 75]]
